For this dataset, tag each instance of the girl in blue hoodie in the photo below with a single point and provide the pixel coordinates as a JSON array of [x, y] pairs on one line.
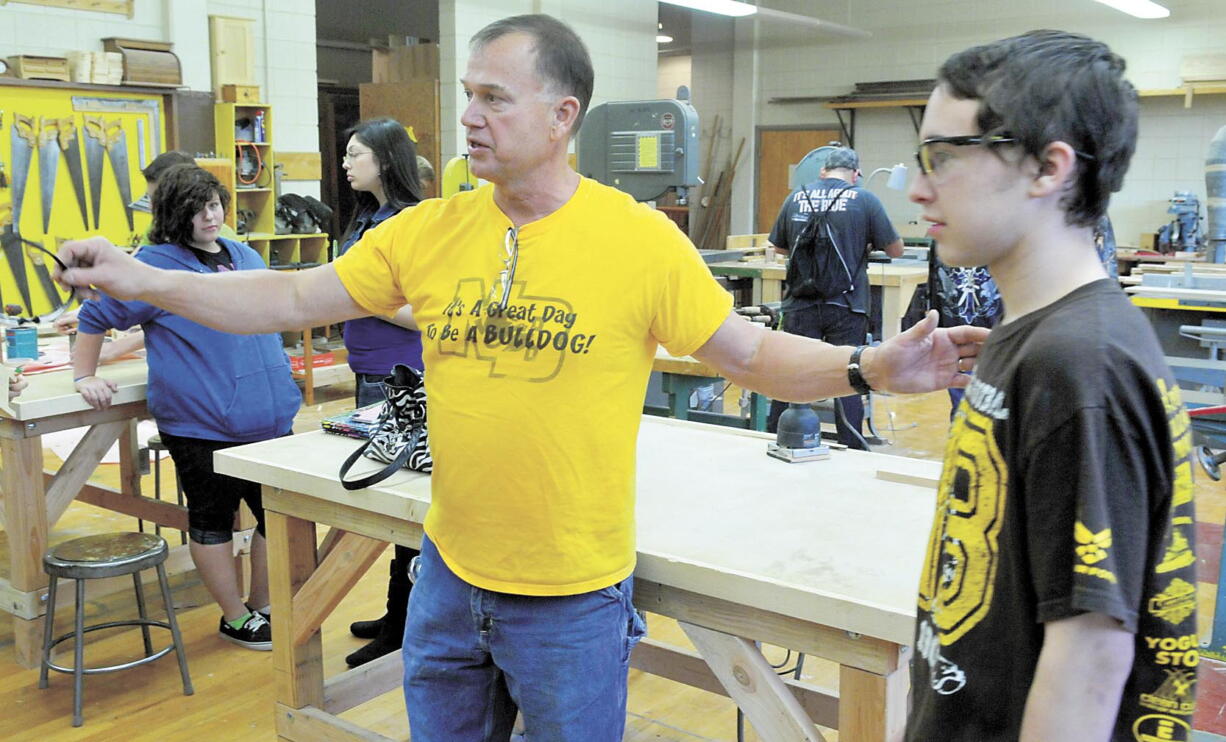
[[207, 390]]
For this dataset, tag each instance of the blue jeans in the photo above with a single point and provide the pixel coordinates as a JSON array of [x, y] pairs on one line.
[[368, 389], [473, 657]]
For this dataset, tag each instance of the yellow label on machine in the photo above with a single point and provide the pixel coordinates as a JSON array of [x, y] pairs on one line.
[[649, 152]]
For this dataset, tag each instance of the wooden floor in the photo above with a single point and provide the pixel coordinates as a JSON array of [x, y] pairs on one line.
[[234, 686]]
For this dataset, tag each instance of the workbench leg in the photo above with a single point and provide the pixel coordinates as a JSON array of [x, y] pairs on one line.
[[291, 560], [872, 708], [767, 290], [25, 515], [308, 371], [759, 411], [758, 690], [678, 389], [129, 464], [892, 310]]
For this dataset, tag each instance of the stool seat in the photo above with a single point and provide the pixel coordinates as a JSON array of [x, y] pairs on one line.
[[105, 555]]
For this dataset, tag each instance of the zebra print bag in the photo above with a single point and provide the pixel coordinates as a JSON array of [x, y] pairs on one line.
[[399, 437]]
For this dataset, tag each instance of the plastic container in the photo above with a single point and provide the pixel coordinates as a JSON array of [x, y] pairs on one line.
[[21, 342]]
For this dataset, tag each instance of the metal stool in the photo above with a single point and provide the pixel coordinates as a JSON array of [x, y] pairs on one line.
[[156, 446], [95, 557]]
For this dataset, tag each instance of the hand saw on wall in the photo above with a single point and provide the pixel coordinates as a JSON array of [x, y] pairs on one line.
[[107, 138]]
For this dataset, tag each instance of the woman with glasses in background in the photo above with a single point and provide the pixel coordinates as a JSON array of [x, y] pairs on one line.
[[380, 163]]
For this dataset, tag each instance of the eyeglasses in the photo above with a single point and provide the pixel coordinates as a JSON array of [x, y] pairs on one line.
[[932, 158], [352, 155], [506, 276]]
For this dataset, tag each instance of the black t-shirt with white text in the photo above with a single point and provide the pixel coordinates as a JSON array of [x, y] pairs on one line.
[[1066, 489], [856, 221]]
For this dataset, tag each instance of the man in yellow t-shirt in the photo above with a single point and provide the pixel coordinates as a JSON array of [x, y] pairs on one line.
[[542, 299]]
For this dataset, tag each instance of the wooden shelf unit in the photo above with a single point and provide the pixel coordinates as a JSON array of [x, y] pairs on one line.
[[258, 198]]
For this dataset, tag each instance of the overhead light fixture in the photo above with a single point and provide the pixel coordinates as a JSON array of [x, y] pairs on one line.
[[662, 39], [738, 10], [1139, 8], [723, 7]]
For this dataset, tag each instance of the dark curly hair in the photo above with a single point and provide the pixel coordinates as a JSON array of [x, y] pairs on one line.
[[1048, 86], [183, 190]]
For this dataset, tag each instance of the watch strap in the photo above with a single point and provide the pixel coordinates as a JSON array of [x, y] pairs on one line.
[[854, 377]]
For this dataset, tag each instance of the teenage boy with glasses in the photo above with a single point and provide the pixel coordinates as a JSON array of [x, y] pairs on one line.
[[543, 299], [1057, 600]]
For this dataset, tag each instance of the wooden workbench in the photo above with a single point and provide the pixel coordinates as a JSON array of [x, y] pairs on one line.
[[735, 545], [680, 376], [897, 282], [33, 500]]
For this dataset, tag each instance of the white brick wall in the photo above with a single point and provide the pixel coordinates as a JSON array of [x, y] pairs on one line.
[[31, 29], [671, 74], [912, 37], [284, 32]]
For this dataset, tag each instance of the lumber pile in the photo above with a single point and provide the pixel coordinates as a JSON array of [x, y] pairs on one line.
[[711, 222]]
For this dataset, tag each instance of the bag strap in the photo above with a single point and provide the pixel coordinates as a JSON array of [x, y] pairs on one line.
[[813, 212], [374, 478]]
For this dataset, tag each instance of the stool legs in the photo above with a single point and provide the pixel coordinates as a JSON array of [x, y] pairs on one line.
[[174, 630], [144, 616], [78, 652], [47, 633]]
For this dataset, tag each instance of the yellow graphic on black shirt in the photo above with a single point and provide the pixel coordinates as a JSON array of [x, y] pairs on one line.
[[963, 551], [1175, 603], [1179, 553], [1160, 728], [1174, 696], [1091, 549]]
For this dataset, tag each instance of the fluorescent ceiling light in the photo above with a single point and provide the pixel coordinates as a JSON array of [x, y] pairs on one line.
[[739, 9], [1138, 8], [722, 7], [662, 39]]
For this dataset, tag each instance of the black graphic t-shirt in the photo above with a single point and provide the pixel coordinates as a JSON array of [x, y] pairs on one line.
[[856, 221], [215, 261], [1066, 489]]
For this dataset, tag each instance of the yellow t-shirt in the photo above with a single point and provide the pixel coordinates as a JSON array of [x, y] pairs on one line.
[[534, 413]]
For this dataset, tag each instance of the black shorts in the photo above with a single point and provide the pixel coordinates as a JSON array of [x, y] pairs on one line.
[[212, 498]]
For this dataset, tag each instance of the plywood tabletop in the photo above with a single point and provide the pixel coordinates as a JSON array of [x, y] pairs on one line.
[[838, 541], [53, 393]]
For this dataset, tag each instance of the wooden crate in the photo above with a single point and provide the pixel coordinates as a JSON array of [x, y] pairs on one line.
[[240, 93], [30, 67], [146, 62]]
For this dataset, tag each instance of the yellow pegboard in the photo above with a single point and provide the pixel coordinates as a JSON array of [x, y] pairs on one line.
[[119, 112]]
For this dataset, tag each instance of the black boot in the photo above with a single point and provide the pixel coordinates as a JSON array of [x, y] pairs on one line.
[[388, 632], [367, 629], [398, 587]]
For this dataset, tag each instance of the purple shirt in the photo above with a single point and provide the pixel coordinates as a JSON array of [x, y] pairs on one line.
[[375, 345]]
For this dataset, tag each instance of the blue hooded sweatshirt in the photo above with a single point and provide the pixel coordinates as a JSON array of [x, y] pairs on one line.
[[204, 383]]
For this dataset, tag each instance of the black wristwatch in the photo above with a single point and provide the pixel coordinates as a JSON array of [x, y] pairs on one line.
[[854, 377]]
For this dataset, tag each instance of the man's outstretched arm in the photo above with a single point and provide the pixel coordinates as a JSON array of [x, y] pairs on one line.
[[792, 368], [248, 302]]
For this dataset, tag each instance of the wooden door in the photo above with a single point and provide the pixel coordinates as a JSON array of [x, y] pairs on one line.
[[413, 103], [777, 150], [232, 41]]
